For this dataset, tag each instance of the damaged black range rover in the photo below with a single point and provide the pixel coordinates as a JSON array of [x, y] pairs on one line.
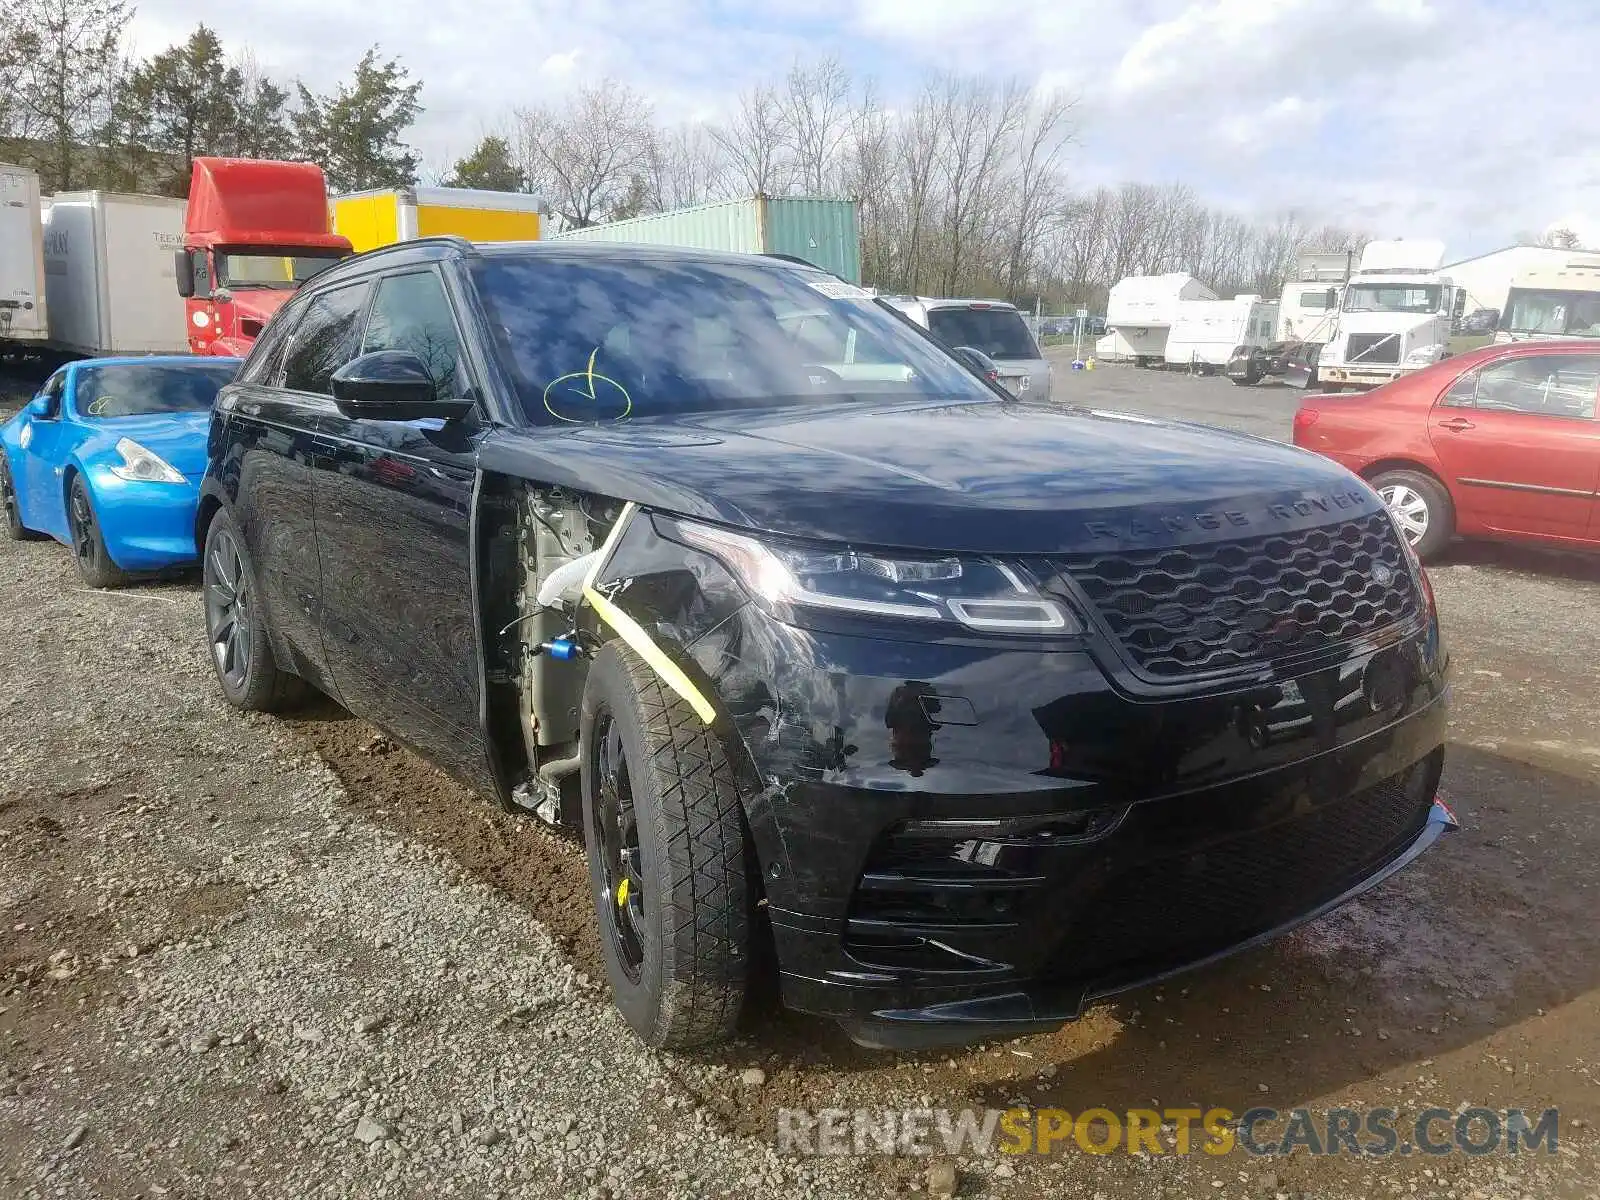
[[954, 712]]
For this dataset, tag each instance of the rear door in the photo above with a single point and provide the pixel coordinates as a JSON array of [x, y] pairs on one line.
[[1520, 445], [394, 506]]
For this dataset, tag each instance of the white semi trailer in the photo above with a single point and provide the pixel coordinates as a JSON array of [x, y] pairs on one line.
[[111, 283], [24, 319]]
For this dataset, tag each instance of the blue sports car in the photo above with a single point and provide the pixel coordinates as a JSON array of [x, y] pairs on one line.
[[107, 458]]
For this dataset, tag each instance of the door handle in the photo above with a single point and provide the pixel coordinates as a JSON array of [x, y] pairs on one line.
[[1457, 424]]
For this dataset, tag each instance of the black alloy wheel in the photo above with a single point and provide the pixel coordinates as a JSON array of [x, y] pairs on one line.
[[88, 544], [615, 831]]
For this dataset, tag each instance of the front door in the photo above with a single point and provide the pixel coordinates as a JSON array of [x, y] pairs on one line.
[[394, 508], [1520, 445]]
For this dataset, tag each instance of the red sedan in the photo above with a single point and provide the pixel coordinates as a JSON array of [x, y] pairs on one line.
[[1500, 443]]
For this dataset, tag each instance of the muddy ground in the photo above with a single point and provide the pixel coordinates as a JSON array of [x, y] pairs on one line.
[[248, 956]]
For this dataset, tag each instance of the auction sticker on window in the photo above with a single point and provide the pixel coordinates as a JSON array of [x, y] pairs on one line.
[[838, 289]]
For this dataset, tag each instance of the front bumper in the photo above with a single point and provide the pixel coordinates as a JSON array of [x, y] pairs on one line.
[[1362, 376], [959, 842], [146, 526]]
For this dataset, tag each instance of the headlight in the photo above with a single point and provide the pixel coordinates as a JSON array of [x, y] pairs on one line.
[[143, 466], [1422, 356], [979, 593]]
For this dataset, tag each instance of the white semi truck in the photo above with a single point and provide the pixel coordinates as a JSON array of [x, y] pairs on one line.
[[24, 321], [1394, 316]]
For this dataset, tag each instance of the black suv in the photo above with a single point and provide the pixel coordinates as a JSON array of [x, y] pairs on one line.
[[960, 711]]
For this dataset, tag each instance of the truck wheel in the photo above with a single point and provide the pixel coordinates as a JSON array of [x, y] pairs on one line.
[[665, 836], [15, 529], [1421, 509], [88, 544], [236, 627]]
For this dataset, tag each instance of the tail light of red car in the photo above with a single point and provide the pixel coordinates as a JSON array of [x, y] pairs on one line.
[[1304, 418]]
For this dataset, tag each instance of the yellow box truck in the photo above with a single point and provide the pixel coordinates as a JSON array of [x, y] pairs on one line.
[[381, 218]]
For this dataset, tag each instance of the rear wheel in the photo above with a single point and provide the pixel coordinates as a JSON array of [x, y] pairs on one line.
[[15, 529], [665, 837], [1421, 508], [88, 544], [236, 627]]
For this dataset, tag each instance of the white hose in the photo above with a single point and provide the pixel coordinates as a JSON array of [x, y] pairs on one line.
[[562, 587]]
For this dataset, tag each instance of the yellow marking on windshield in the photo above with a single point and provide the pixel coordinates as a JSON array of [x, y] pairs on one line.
[[586, 391]]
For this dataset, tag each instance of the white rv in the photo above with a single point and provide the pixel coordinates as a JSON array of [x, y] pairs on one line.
[[1206, 334], [1394, 316], [1140, 312], [1552, 303]]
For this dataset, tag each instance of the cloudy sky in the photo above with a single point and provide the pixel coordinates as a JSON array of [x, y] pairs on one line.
[[1468, 120]]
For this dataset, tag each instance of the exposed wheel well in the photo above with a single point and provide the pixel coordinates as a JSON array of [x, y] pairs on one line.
[[202, 521]]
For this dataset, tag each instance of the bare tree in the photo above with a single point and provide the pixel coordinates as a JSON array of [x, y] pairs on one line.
[[753, 141], [585, 155], [1036, 187], [687, 165], [814, 109]]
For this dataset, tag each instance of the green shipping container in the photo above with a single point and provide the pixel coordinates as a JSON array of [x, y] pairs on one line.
[[826, 233]]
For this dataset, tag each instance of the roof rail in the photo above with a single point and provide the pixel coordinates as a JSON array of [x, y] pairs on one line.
[[453, 241]]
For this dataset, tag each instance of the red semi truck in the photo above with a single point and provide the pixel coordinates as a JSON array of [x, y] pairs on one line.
[[255, 231]]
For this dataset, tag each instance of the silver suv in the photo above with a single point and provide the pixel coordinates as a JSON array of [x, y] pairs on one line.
[[992, 326]]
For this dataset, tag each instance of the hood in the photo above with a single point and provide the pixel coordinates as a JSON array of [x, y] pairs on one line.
[[179, 438], [990, 477]]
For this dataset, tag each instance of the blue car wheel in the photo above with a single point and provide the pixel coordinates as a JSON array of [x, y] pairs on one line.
[[88, 544]]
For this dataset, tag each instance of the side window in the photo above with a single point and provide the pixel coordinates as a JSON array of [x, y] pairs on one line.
[[327, 337], [411, 312], [1548, 385], [200, 261], [1463, 392], [262, 367]]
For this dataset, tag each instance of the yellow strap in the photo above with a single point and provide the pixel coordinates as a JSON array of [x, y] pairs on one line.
[[671, 673], [630, 631]]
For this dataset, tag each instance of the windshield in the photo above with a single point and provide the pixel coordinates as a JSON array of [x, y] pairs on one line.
[[601, 339], [1530, 310], [140, 389], [1393, 297], [269, 270], [1000, 333]]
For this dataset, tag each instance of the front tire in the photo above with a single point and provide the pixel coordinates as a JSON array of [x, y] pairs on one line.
[[12, 507], [95, 567], [1421, 508], [236, 627], [665, 837]]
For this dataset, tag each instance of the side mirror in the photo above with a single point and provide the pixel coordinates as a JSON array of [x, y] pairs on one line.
[[183, 267], [392, 385], [40, 408]]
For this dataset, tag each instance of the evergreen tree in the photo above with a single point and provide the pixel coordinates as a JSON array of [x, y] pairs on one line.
[[356, 131], [182, 103], [488, 166]]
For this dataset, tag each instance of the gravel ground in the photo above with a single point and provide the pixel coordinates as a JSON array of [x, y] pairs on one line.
[[246, 956]]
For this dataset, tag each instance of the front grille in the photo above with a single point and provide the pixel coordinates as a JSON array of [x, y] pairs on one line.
[[1208, 608], [1165, 911], [1372, 348]]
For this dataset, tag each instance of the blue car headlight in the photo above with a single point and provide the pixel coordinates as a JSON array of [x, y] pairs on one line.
[[141, 465], [982, 594]]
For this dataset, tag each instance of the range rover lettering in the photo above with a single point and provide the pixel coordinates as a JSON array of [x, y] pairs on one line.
[[955, 711]]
